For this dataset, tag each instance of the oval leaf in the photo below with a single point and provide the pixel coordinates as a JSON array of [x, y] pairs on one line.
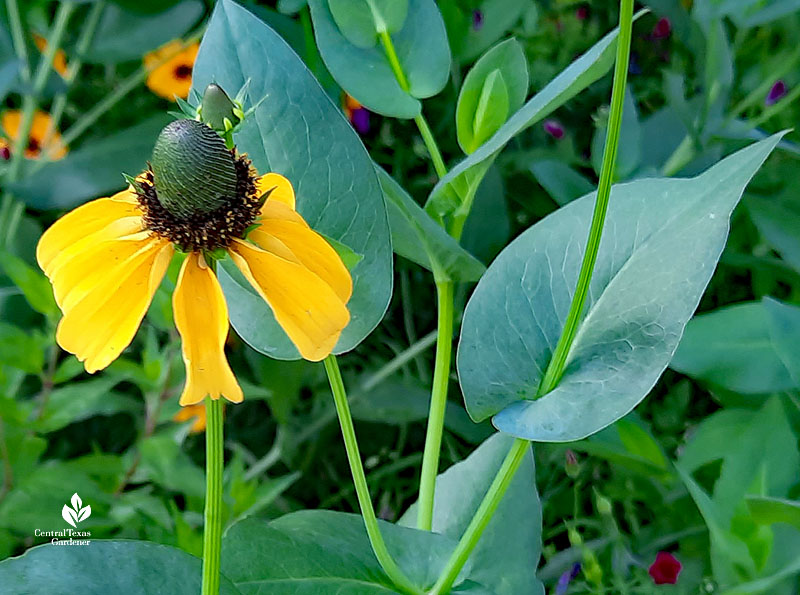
[[298, 132], [507, 59], [365, 73], [661, 242]]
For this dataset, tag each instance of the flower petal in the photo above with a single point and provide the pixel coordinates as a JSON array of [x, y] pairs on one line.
[[282, 190], [304, 305], [83, 221], [307, 248], [201, 316], [103, 320]]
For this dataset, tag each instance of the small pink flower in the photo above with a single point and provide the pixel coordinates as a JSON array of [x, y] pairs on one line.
[[662, 29], [665, 569], [553, 128]]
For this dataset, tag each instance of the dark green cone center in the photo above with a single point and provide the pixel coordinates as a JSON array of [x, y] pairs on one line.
[[194, 172]]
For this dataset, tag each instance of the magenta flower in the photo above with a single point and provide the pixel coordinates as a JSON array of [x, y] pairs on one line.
[[662, 29], [477, 20], [665, 569], [582, 13], [776, 92], [553, 128]]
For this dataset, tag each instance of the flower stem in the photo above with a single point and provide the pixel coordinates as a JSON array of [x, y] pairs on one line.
[[482, 516], [18, 38], [556, 367], [212, 535], [385, 559], [430, 143], [441, 376]]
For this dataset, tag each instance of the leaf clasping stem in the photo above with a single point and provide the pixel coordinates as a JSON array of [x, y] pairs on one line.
[[376, 540]]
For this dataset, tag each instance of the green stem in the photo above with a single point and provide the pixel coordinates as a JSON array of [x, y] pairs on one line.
[[212, 535], [441, 376], [385, 559], [430, 143], [18, 39], [556, 367], [482, 516], [394, 61], [84, 41], [424, 129]]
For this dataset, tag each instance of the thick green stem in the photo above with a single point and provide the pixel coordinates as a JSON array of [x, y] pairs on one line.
[[441, 376], [430, 143], [18, 39], [556, 367], [385, 559], [212, 535], [482, 516]]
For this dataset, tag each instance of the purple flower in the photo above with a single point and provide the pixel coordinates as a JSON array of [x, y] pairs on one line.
[[564, 579], [360, 120], [777, 91], [582, 13], [665, 569], [662, 29], [553, 128], [477, 20]]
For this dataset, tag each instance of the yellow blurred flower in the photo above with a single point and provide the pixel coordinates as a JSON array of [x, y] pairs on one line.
[[41, 139], [196, 412], [60, 58], [171, 69], [106, 259]]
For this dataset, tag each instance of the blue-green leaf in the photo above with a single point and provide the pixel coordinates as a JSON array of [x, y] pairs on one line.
[[662, 240]]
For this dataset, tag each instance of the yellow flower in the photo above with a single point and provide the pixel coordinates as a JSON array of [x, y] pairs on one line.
[[106, 259], [196, 412], [60, 58], [171, 69], [38, 140]]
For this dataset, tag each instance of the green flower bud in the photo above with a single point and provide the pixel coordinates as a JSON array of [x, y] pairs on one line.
[[193, 171], [217, 107]]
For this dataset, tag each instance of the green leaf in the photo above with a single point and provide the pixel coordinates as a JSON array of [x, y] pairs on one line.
[[81, 400], [629, 154], [488, 226], [561, 182], [419, 238], [732, 347], [784, 330], [360, 21], [768, 511], [469, 41], [124, 35], [92, 171], [20, 349], [319, 552], [507, 553], [661, 242], [577, 76], [501, 75], [779, 222], [102, 567], [164, 463], [33, 284], [365, 72], [298, 132]]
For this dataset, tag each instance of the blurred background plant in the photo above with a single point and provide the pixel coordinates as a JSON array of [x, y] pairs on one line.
[[700, 485]]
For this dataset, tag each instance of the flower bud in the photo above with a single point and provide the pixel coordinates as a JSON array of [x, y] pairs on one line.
[[217, 107]]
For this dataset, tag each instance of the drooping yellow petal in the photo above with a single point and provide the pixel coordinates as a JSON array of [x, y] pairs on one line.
[[307, 248], [196, 412], [201, 316], [102, 322], [282, 190], [305, 306], [82, 222]]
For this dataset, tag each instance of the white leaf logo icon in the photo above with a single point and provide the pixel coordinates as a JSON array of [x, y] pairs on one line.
[[76, 514]]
